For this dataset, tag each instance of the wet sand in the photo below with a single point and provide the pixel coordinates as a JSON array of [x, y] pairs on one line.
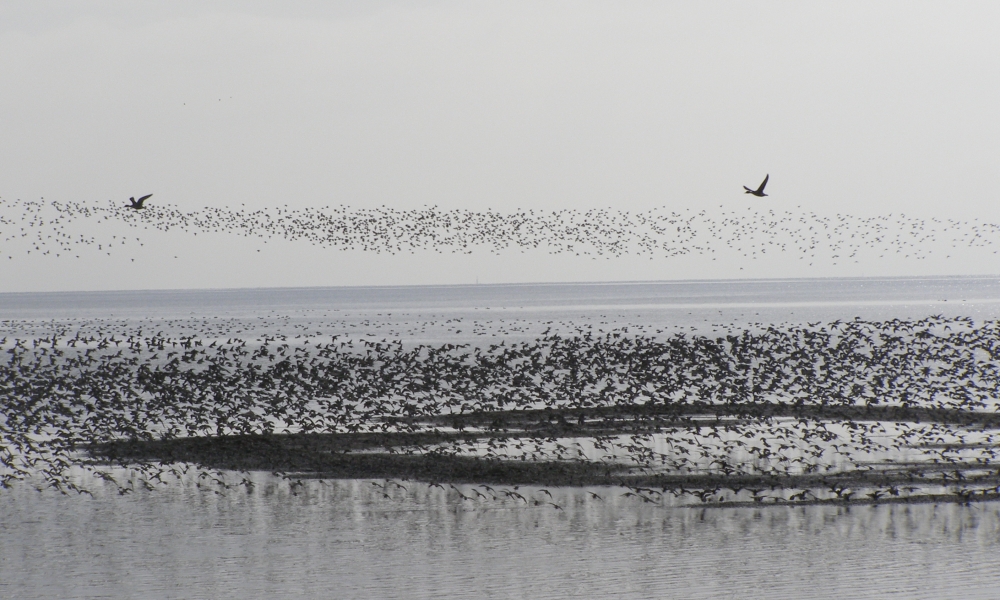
[[391, 456]]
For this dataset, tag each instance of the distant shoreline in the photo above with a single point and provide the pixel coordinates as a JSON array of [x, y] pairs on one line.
[[540, 284]]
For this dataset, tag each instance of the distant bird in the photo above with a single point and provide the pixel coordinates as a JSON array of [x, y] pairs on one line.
[[759, 191], [137, 204]]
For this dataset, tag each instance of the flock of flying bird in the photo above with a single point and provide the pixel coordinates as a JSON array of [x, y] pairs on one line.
[[783, 403], [45, 227]]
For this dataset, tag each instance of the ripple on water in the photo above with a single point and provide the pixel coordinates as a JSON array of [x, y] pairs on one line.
[[343, 538]]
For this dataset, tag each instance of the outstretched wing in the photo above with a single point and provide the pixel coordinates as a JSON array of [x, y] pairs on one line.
[[759, 190], [143, 199]]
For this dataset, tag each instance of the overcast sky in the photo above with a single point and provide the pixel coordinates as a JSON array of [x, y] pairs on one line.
[[864, 108]]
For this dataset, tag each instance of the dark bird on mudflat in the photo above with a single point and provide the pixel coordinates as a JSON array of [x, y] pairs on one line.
[[759, 191], [137, 204]]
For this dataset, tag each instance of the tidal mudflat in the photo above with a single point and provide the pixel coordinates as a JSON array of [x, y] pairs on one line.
[[847, 410]]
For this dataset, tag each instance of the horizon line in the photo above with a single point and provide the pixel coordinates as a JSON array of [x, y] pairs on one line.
[[517, 284]]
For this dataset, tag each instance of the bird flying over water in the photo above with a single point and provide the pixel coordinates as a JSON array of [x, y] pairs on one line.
[[759, 191], [137, 204]]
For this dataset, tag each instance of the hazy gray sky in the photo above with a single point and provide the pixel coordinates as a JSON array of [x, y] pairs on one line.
[[864, 108]]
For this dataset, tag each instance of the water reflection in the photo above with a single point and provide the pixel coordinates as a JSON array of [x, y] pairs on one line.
[[344, 539]]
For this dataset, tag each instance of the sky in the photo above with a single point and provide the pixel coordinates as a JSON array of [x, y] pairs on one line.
[[861, 108]]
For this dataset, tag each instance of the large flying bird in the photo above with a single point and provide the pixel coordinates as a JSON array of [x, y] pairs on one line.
[[137, 204], [759, 191]]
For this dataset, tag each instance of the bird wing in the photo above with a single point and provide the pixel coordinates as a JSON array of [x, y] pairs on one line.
[[148, 195], [763, 183]]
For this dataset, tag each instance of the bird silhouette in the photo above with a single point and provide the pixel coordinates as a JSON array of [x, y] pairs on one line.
[[137, 204], [760, 190]]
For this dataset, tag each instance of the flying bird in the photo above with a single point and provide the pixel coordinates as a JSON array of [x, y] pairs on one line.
[[759, 191], [137, 204]]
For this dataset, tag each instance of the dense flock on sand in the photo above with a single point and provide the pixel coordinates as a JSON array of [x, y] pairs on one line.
[[895, 409], [856, 411]]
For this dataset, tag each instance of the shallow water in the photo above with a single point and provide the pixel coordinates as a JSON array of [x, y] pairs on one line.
[[479, 314], [343, 539]]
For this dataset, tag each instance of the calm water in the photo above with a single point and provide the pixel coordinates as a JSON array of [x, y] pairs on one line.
[[343, 539]]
